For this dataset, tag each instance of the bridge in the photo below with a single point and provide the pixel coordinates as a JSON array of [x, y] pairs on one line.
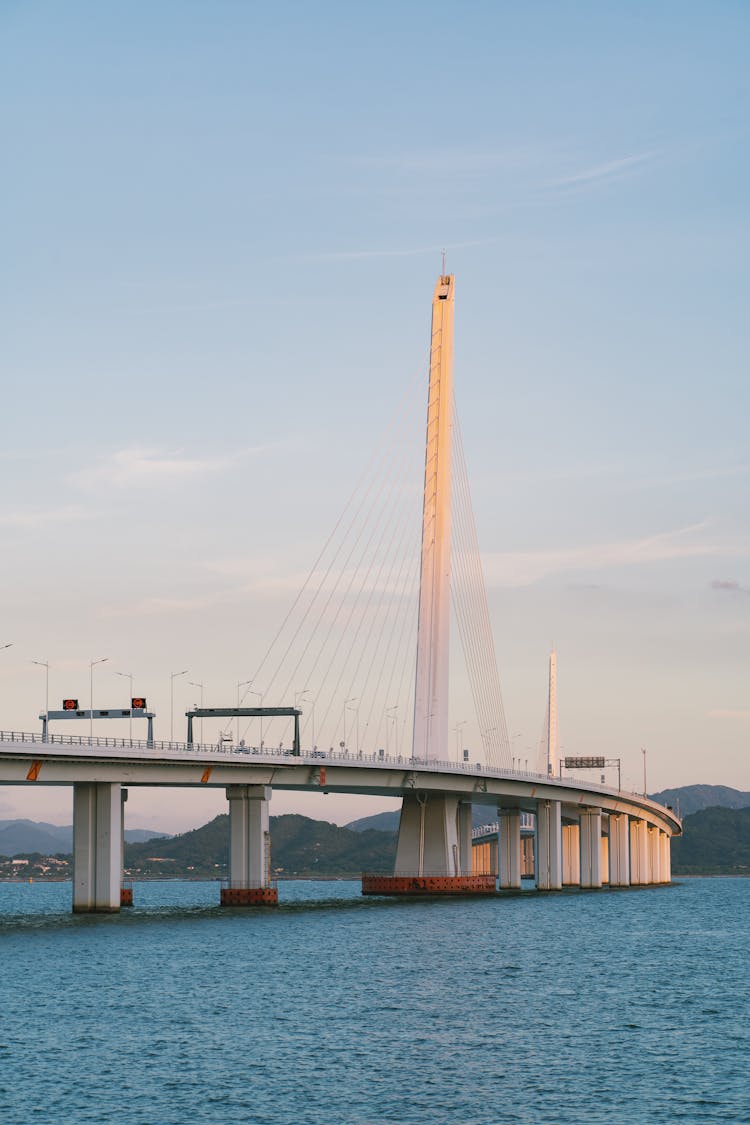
[[567, 832]]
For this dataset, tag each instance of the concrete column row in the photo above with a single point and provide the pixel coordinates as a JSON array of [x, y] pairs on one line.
[[633, 853]]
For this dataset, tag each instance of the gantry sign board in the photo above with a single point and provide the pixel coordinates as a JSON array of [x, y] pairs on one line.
[[71, 710], [584, 763]]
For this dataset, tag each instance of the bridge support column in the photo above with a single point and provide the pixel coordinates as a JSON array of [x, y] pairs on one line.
[[654, 855], [619, 850], [433, 854], [97, 847], [126, 893], [638, 853], [249, 848], [605, 859], [666, 866], [463, 825], [571, 855], [591, 848], [510, 849], [548, 857]]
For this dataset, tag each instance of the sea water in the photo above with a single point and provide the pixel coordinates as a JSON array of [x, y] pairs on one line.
[[612, 1006]]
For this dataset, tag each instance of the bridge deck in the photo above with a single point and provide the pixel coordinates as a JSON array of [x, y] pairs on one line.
[[66, 759]]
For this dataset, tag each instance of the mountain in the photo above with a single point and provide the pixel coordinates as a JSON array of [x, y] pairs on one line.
[[692, 798], [381, 822], [388, 821], [715, 841], [299, 846], [23, 837]]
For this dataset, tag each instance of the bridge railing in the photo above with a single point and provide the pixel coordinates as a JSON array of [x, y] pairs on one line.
[[285, 755]]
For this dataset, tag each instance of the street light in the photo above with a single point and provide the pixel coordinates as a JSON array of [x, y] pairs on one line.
[[173, 677], [251, 691], [43, 664], [201, 686], [92, 665], [346, 704], [300, 695], [645, 788], [128, 676], [457, 729], [394, 719], [242, 683]]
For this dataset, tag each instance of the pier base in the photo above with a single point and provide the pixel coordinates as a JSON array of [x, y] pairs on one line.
[[428, 884], [249, 896], [126, 896]]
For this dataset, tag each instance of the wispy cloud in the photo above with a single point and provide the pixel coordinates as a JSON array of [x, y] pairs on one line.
[[459, 161], [524, 568], [729, 586], [610, 170], [28, 518], [137, 467]]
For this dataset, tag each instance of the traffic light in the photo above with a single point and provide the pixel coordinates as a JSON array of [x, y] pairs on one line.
[[138, 704], [70, 705]]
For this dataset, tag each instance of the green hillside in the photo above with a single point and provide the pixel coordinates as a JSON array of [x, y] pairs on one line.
[[299, 846], [714, 842], [692, 798]]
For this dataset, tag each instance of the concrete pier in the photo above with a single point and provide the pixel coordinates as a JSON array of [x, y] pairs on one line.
[[638, 853], [591, 848], [619, 850], [249, 848], [510, 849], [548, 856], [97, 847], [434, 850], [666, 859], [571, 855]]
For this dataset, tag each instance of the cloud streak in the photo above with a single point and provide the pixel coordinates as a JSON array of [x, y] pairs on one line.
[[729, 586], [138, 467], [525, 568], [599, 173], [30, 519]]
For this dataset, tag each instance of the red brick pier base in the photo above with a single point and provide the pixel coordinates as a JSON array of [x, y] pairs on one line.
[[249, 896], [428, 884]]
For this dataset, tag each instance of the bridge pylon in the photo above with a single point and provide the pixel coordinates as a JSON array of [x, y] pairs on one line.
[[434, 838]]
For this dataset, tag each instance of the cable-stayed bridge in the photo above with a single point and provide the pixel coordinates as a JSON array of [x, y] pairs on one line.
[[352, 695]]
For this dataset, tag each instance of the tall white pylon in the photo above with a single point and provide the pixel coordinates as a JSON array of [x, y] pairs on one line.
[[552, 745], [431, 685]]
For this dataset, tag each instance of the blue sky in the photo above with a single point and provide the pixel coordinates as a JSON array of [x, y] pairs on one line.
[[221, 229]]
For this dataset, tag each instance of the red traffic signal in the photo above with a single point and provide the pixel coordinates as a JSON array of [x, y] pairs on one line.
[[138, 704], [70, 704]]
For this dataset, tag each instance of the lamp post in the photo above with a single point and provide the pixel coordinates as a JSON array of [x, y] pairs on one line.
[[458, 727], [259, 694], [513, 738], [346, 704], [356, 723], [129, 676], [300, 696], [92, 665], [242, 683], [173, 677], [200, 686], [43, 664], [645, 788], [393, 718]]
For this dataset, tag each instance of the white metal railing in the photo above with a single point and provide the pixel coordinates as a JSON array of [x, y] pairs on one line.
[[177, 750]]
